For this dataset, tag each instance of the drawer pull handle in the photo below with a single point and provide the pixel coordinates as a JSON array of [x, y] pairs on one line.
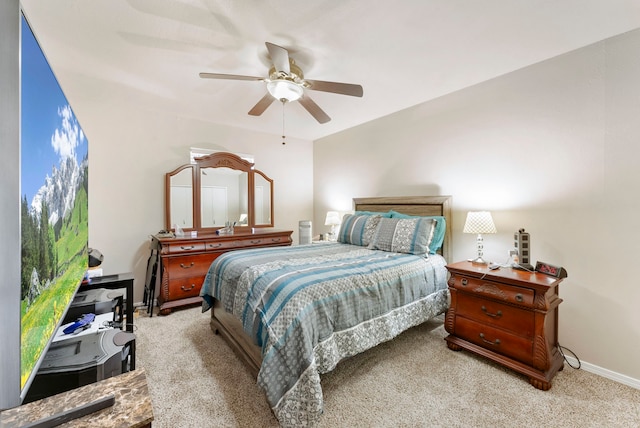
[[188, 248], [257, 241], [275, 239], [496, 315], [183, 266], [215, 246], [183, 288], [464, 281], [494, 343], [519, 297]]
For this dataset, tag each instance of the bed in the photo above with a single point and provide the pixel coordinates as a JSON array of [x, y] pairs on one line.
[[292, 313]]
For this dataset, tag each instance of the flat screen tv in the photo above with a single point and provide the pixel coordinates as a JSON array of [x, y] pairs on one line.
[[53, 205]]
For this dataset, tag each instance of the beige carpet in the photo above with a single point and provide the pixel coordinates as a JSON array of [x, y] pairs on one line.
[[195, 380]]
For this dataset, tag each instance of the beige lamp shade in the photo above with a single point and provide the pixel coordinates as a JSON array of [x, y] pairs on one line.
[[479, 222], [332, 219]]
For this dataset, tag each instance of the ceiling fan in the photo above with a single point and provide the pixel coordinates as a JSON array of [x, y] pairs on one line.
[[286, 83]]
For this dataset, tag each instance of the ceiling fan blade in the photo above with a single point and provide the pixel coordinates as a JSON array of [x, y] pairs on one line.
[[335, 87], [314, 109], [279, 56], [262, 105], [228, 76]]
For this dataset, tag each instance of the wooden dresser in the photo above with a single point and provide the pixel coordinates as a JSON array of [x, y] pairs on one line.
[[509, 316], [185, 260]]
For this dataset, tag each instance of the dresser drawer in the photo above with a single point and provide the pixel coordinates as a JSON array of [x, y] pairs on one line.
[[181, 288], [495, 339], [495, 290], [186, 247], [519, 321], [189, 266]]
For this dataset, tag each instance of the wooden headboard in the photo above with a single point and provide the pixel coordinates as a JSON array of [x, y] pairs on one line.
[[413, 205]]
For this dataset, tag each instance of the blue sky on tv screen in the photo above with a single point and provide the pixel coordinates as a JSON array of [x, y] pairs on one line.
[[49, 130]]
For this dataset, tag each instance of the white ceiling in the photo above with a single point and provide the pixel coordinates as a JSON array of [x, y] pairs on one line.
[[146, 54]]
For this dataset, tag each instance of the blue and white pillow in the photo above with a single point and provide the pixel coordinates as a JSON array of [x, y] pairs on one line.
[[357, 229], [438, 234], [404, 235]]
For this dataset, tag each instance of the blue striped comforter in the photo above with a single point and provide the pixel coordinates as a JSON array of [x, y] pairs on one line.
[[309, 306]]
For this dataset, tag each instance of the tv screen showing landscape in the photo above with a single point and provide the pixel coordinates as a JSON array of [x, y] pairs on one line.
[[54, 204]]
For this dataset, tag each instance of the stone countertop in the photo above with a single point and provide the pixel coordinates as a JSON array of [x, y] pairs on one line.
[[132, 406]]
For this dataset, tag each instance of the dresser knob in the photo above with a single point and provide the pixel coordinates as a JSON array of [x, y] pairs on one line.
[[519, 297], [464, 282], [496, 315], [183, 266]]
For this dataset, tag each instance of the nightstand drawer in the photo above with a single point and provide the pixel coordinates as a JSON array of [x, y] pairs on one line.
[[506, 293], [495, 339], [516, 320]]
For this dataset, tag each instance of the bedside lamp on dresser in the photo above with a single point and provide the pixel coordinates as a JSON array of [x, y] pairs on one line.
[[479, 222]]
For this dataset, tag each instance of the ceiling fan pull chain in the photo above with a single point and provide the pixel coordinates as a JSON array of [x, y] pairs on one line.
[[283, 137]]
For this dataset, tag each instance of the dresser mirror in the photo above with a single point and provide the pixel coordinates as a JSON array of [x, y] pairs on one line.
[[262, 192], [218, 190], [180, 197]]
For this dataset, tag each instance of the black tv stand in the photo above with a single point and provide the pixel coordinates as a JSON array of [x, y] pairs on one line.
[[119, 280], [115, 281]]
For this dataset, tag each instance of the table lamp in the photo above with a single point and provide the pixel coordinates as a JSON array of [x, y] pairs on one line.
[[479, 222], [333, 220]]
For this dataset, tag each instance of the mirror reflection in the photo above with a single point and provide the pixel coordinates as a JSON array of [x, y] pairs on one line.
[[262, 201], [181, 198], [223, 197], [217, 190]]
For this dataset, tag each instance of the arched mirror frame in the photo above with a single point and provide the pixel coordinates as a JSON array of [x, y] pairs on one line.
[[269, 198], [219, 160], [169, 222]]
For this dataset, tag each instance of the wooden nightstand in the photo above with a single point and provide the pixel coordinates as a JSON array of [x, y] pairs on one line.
[[509, 316]]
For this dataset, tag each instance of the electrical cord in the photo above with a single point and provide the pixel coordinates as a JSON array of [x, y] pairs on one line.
[[560, 348], [117, 325]]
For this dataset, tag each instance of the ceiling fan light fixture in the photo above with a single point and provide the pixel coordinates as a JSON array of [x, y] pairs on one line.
[[285, 90]]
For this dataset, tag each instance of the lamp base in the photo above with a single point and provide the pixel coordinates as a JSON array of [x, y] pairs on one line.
[[479, 261]]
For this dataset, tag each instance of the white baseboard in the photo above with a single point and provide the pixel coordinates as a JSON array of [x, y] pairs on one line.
[[608, 374]]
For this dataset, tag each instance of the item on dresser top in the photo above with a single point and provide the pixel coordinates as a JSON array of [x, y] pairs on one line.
[[551, 270], [522, 244]]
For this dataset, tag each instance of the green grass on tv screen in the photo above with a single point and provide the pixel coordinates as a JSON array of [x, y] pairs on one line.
[[40, 318]]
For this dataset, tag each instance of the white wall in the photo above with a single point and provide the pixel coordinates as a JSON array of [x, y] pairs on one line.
[[551, 148], [128, 157]]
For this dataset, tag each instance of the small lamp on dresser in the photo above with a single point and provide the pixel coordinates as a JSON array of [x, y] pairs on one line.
[[479, 222], [333, 220]]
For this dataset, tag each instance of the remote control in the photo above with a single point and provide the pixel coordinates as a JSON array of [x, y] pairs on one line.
[[81, 324]]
